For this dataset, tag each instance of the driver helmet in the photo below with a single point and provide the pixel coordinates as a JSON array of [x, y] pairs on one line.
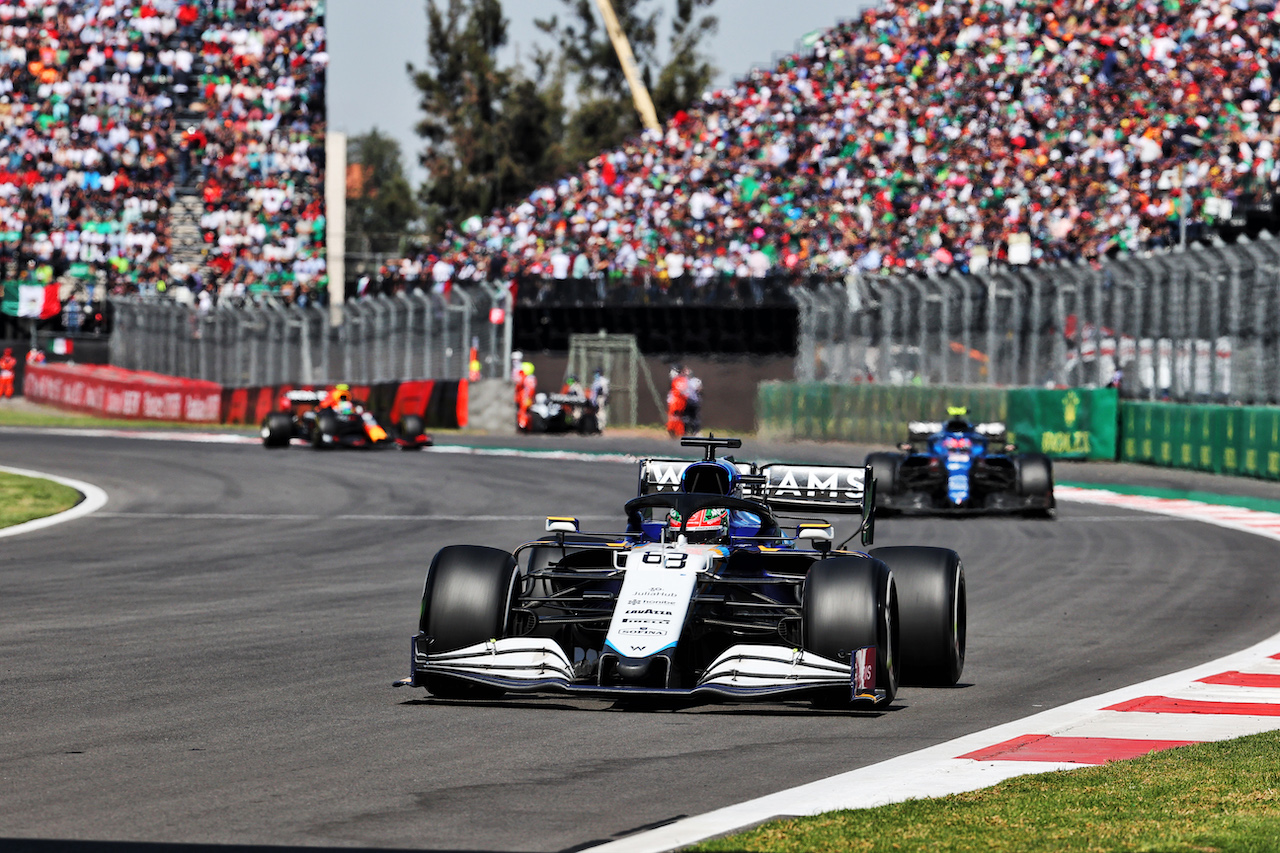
[[8, 350], [344, 406], [705, 525], [957, 419]]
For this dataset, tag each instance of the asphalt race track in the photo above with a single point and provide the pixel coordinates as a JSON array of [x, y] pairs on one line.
[[208, 660]]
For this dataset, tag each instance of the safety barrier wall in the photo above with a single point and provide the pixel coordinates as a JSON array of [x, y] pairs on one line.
[[1071, 423], [867, 412], [441, 404], [115, 393], [1075, 423], [1242, 440], [139, 395]]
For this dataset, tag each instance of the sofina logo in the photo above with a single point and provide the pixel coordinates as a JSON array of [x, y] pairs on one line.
[[1070, 408]]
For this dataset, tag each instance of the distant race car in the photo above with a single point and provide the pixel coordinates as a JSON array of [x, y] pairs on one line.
[[347, 423], [563, 413], [957, 466], [708, 593]]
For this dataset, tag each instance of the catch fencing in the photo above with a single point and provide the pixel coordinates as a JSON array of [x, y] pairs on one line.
[[260, 342], [1200, 325]]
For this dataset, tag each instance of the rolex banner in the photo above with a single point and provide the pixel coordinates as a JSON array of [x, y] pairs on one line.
[[1074, 423], [36, 301]]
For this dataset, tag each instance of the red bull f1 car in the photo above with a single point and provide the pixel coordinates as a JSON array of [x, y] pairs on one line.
[[722, 585], [956, 466], [326, 420]]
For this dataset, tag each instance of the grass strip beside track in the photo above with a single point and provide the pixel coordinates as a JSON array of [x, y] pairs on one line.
[[22, 418], [1222, 796], [28, 498], [1243, 501]]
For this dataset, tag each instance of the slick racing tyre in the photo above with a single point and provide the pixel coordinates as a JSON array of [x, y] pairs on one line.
[[537, 423], [884, 467], [1035, 477], [931, 612], [465, 601], [411, 426], [588, 425], [277, 429], [849, 603], [326, 424]]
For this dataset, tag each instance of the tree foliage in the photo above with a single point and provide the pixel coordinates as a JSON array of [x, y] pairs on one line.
[[494, 133], [380, 201], [606, 114]]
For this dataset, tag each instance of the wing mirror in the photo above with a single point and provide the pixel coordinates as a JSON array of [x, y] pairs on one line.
[[818, 536], [562, 524]]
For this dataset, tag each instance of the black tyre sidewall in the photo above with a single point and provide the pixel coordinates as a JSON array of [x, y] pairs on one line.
[[1035, 474], [849, 603], [411, 426], [465, 601], [884, 467], [279, 428], [932, 611]]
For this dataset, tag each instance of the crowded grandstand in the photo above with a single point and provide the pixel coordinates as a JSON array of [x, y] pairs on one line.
[[116, 115], [148, 144]]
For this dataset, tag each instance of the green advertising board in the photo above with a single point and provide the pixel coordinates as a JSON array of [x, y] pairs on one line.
[[1242, 440], [1070, 423]]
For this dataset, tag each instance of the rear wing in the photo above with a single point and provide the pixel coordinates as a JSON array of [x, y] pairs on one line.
[[304, 396], [922, 430], [663, 475], [814, 487], [805, 488], [822, 488]]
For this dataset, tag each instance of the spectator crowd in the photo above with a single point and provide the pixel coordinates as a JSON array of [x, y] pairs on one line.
[[110, 108], [926, 137]]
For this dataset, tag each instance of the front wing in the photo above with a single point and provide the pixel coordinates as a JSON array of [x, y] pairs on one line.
[[531, 665]]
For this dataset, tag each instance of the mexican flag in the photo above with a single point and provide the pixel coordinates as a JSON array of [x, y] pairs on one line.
[[37, 301]]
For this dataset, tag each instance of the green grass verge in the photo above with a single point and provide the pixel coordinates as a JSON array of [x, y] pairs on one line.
[[14, 417], [28, 498], [1221, 796]]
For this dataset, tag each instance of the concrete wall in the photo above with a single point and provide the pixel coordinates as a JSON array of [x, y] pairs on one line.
[[728, 385], [491, 406]]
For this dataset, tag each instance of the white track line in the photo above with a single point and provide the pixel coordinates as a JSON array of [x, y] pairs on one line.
[[94, 499], [940, 770]]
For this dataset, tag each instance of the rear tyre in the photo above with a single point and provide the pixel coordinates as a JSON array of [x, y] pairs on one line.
[[884, 467], [1035, 478], [931, 611], [537, 423], [849, 603], [588, 425], [277, 429], [411, 426], [465, 601]]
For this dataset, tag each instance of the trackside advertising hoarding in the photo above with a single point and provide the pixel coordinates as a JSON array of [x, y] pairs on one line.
[[111, 392], [1221, 439], [1072, 423]]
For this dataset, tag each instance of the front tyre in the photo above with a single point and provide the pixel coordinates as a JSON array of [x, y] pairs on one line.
[[932, 610], [849, 603], [465, 601], [277, 429]]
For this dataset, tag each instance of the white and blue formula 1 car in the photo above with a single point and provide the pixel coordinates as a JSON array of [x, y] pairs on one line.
[[709, 593]]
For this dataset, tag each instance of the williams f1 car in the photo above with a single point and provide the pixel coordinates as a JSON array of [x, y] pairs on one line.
[[959, 466], [322, 421], [710, 592]]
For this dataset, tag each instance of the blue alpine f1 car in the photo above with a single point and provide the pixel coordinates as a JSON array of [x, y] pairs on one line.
[[707, 592], [958, 466]]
